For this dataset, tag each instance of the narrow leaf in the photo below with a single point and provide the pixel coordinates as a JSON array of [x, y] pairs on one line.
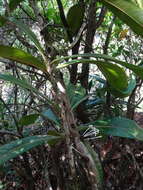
[[21, 56], [129, 12], [136, 69], [114, 74], [24, 28], [17, 147], [97, 165]]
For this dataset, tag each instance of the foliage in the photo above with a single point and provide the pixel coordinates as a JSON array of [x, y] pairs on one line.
[[20, 146], [55, 53]]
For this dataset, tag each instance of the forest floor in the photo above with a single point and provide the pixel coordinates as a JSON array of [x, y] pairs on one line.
[[123, 162]]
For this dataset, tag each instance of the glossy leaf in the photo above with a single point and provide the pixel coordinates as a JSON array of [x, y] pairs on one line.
[[28, 119], [126, 92], [76, 94], [95, 102], [114, 74], [75, 24], [13, 4], [21, 56], [136, 69], [124, 127], [128, 11], [49, 114], [117, 126], [17, 147]]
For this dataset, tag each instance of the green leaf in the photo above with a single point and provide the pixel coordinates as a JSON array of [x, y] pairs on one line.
[[126, 92], [97, 165], [21, 83], [76, 94], [75, 24], [17, 147], [54, 133], [130, 87], [28, 119], [114, 74], [129, 12], [136, 69], [3, 20], [13, 4], [21, 56], [117, 126], [124, 127], [49, 114], [24, 28]]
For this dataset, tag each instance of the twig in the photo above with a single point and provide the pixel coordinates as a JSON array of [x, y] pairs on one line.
[[13, 116]]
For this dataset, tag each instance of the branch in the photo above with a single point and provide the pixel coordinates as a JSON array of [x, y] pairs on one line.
[[101, 16], [24, 42], [63, 19], [105, 47]]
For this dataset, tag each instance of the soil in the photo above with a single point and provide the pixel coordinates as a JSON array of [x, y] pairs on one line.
[[123, 162]]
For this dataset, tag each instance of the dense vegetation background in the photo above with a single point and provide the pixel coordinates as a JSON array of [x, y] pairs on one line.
[[70, 91]]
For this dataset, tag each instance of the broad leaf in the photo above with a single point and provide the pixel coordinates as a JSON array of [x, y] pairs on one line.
[[17, 147], [76, 94], [3, 20], [28, 119], [21, 56], [114, 74], [126, 92], [49, 114], [13, 4], [75, 24], [136, 69], [124, 127], [128, 11], [118, 126]]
